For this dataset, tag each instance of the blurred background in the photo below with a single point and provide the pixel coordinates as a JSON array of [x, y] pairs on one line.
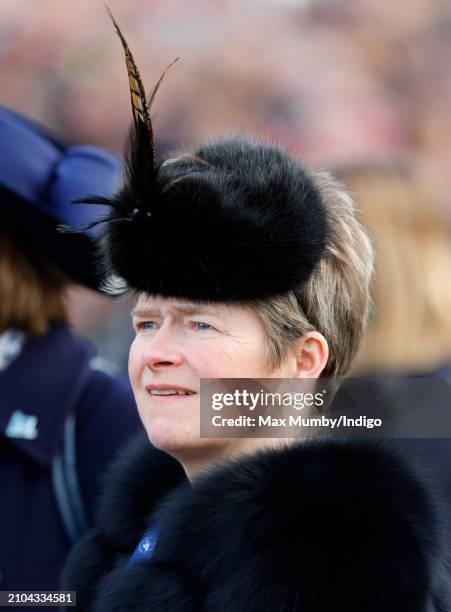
[[337, 82]]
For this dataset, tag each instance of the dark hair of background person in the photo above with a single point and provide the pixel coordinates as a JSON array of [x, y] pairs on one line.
[[31, 289]]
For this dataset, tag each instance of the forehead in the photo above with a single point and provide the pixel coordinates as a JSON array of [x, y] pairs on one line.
[[149, 303]]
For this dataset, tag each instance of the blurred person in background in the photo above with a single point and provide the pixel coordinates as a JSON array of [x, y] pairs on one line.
[[405, 360], [411, 291], [62, 418]]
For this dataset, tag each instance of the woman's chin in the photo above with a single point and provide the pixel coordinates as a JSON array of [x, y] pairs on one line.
[[179, 439], [171, 436]]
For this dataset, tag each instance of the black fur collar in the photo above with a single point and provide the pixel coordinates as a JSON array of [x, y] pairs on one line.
[[138, 479], [321, 526]]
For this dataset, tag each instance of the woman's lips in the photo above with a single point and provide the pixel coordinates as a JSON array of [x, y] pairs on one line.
[[169, 399], [166, 393]]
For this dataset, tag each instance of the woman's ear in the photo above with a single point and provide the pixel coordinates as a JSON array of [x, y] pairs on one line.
[[311, 355]]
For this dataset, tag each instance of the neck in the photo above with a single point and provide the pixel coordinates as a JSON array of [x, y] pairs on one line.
[[197, 461]]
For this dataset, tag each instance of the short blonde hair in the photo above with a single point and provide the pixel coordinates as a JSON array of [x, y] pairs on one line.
[[336, 299], [31, 289]]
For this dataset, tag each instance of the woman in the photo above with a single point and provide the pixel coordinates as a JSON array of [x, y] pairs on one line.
[[54, 399], [244, 264]]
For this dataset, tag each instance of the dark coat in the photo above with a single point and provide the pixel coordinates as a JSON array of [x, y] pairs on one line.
[[318, 527], [52, 377]]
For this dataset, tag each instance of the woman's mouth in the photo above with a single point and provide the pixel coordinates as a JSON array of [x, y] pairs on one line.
[[165, 393]]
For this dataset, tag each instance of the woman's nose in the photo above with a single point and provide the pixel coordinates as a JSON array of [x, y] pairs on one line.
[[162, 351]]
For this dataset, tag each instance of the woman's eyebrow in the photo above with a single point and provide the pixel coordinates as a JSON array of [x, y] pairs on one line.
[[143, 312]]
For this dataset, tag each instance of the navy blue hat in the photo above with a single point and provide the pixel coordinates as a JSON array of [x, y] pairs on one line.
[[39, 178]]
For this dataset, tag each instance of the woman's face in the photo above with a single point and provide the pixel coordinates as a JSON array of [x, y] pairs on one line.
[[179, 342]]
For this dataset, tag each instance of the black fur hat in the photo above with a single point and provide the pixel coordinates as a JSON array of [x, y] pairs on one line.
[[229, 221]]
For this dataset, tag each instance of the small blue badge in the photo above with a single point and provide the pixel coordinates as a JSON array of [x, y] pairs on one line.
[[22, 426], [11, 343], [146, 546]]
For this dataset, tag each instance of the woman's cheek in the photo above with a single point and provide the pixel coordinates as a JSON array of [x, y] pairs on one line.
[[218, 362], [208, 364], [135, 363], [206, 369]]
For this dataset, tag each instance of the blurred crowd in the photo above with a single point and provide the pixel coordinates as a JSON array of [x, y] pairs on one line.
[[330, 79], [335, 81]]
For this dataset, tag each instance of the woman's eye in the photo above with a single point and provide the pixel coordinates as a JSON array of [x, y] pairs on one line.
[[202, 326], [146, 325]]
